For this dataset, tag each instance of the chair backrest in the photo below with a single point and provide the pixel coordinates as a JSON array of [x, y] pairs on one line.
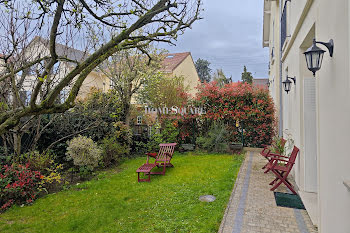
[[166, 152], [292, 157]]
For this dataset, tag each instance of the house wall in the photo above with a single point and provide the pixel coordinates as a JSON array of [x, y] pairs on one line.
[[275, 64], [294, 65], [94, 80], [324, 20], [272, 16], [188, 70], [334, 115]]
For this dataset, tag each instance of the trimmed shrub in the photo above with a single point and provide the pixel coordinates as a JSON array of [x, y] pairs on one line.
[[18, 185], [84, 152], [116, 147], [252, 107]]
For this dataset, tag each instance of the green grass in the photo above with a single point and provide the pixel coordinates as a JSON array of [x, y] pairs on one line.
[[116, 202]]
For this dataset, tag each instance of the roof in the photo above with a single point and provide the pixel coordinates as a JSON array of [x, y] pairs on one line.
[[261, 82], [173, 60], [63, 50]]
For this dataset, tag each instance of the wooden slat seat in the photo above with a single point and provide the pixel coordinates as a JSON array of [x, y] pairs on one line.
[[146, 167]]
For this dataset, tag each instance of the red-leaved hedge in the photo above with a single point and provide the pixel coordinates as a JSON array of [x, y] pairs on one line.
[[251, 106]]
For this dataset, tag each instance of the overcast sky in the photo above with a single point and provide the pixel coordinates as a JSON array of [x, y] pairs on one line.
[[229, 36]]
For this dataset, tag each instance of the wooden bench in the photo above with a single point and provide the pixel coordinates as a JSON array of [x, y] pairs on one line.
[[162, 159]]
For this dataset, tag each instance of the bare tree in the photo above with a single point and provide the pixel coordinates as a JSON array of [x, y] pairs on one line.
[[128, 70], [67, 21]]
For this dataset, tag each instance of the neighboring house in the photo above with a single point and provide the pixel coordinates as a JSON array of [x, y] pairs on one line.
[[181, 64], [316, 111], [261, 83], [39, 47], [178, 64]]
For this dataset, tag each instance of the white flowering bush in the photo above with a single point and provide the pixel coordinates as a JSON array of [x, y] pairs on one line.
[[84, 152]]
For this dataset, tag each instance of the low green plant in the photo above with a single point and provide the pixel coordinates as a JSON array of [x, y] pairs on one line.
[[37, 161], [116, 147], [155, 138], [277, 145], [84, 152], [45, 163], [52, 177], [216, 139], [113, 151], [169, 132]]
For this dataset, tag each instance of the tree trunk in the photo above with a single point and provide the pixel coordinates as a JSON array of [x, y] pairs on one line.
[[127, 114], [17, 141], [5, 145]]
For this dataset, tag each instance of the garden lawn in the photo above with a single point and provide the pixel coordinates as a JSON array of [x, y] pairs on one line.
[[116, 202]]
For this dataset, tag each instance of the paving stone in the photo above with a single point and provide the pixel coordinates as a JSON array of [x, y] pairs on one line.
[[261, 214]]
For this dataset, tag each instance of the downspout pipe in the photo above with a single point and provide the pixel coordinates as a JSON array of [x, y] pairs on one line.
[[280, 132]]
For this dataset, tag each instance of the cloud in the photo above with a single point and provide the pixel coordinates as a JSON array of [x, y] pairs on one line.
[[229, 37]]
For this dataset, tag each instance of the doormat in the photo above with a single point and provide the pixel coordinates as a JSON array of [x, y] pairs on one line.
[[288, 200]]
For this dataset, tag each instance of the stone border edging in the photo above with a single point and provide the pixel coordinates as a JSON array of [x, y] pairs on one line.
[[239, 176]]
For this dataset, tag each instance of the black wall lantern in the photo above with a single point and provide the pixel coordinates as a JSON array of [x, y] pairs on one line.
[[287, 83], [314, 55]]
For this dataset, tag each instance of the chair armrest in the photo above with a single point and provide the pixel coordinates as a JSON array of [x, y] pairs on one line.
[[276, 155], [153, 155], [280, 160]]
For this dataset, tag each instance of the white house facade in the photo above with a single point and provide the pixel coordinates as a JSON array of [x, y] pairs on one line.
[[315, 113]]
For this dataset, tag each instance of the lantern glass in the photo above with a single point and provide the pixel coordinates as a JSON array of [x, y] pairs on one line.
[[314, 56], [286, 85]]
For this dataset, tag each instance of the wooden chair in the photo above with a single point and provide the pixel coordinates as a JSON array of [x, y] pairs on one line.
[[281, 167], [162, 159]]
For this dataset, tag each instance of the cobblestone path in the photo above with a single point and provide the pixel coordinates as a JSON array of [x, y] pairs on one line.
[[252, 207]]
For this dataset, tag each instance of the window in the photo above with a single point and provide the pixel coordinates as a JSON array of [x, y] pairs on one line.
[[139, 120]]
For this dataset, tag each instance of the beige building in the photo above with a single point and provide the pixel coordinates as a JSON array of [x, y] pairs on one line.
[[39, 47], [181, 64], [316, 111]]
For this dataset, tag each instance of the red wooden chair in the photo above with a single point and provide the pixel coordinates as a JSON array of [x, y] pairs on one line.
[[162, 159], [281, 167]]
